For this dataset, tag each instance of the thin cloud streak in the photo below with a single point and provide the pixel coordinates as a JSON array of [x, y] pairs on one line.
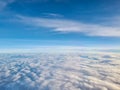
[[53, 15], [62, 25]]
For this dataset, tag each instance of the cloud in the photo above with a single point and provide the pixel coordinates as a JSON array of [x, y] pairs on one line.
[[54, 15], [4, 3], [114, 21], [59, 71], [43, 1], [62, 25]]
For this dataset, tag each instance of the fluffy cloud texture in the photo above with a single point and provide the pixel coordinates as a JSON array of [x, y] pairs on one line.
[[62, 25], [70, 71]]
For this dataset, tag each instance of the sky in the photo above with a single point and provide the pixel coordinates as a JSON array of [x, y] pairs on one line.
[[82, 23]]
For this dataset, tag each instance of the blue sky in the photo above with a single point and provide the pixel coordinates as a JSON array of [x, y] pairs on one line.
[[84, 23]]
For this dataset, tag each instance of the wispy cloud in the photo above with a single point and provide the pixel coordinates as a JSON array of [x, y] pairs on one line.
[[44, 1], [54, 15], [62, 25], [4, 3]]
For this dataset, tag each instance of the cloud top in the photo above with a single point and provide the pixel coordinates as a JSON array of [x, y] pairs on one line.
[[68, 71]]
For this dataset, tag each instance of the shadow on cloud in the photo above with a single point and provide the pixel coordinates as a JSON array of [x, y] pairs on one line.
[[68, 71]]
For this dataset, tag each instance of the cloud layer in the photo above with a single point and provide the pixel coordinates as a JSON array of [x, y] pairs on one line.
[[68, 71], [62, 25]]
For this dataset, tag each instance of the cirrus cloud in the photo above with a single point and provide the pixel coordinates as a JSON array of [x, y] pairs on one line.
[[63, 25]]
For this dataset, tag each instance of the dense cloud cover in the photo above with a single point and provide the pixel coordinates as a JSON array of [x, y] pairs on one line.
[[68, 71]]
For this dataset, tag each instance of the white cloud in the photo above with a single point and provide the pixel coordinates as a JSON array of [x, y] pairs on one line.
[[54, 15], [62, 25], [68, 71]]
